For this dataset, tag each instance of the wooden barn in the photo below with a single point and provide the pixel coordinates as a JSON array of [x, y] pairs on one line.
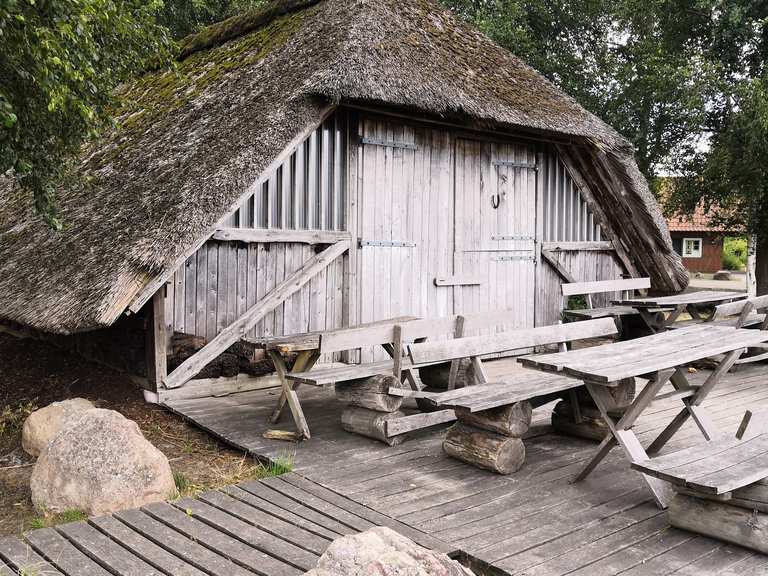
[[321, 164]]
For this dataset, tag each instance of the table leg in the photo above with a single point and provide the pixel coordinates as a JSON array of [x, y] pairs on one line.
[[622, 433], [304, 361]]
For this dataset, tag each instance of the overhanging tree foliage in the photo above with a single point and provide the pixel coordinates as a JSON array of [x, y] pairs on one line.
[[61, 60]]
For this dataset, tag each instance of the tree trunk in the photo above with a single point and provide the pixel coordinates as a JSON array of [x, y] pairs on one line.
[[761, 266], [370, 423], [484, 449], [371, 393], [512, 420]]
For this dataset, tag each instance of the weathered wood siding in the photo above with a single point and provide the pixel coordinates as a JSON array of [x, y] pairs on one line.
[[566, 217], [405, 220], [495, 229], [222, 280], [585, 266], [421, 203]]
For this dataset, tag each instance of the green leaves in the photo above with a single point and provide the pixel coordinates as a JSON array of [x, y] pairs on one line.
[[61, 61]]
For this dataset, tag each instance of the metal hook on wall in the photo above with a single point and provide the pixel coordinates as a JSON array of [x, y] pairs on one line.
[[495, 201]]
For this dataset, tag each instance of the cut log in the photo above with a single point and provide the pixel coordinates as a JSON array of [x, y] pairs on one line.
[[591, 427], [370, 423], [436, 376], [512, 420], [484, 449], [371, 393], [720, 520], [623, 394]]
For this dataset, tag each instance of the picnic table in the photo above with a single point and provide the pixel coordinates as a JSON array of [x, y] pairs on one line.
[[691, 302], [659, 358], [306, 347]]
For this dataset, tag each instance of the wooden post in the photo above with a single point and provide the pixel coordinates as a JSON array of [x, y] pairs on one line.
[[156, 341], [751, 262]]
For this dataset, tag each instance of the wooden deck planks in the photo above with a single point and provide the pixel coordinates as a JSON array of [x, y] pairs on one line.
[[534, 522]]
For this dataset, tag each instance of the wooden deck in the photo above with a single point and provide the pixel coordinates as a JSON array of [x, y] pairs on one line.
[[532, 523], [274, 527]]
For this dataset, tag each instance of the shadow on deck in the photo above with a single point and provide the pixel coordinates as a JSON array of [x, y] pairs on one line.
[[534, 522]]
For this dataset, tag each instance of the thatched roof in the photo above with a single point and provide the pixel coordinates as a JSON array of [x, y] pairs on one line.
[[191, 140]]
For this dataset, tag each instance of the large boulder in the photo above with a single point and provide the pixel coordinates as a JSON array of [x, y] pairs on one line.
[[100, 462], [44, 424], [381, 551]]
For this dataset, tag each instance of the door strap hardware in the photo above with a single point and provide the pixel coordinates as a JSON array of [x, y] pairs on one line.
[[388, 143], [504, 237], [386, 243], [516, 257], [511, 164]]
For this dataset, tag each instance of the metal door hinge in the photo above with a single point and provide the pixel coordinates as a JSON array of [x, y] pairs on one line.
[[389, 143], [386, 243]]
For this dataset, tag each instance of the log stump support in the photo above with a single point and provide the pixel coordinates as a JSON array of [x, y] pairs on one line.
[[490, 439], [370, 406]]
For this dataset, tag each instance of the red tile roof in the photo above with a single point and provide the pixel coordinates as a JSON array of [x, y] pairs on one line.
[[698, 222]]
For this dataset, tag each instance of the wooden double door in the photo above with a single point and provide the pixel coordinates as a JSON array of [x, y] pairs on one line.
[[446, 225]]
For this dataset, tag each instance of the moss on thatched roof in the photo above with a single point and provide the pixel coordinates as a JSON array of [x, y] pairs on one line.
[[190, 140]]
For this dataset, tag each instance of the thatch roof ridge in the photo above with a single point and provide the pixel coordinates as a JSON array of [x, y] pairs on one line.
[[193, 139]]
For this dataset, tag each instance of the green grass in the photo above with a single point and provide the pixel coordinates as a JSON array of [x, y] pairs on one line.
[[281, 464], [55, 519]]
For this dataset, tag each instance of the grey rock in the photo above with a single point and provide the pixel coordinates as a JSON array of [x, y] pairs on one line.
[[45, 423], [380, 551], [99, 463]]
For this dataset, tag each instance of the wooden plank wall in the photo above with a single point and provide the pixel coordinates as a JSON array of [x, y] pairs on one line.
[[566, 215], [223, 279], [405, 195], [567, 218], [584, 266]]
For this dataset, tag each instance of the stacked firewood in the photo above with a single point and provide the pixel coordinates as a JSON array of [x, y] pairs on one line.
[[370, 406], [490, 439]]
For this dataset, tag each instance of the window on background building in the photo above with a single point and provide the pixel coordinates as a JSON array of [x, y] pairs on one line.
[[692, 247]]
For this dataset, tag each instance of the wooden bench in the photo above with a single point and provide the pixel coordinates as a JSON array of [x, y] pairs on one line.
[[747, 313], [721, 487], [627, 286], [392, 336], [494, 415]]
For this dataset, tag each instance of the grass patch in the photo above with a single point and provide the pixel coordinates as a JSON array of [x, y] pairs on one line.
[[246, 469], [281, 464], [12, 417], [55, 519]]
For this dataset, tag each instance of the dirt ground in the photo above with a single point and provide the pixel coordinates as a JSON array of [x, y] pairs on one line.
[[34, 374]]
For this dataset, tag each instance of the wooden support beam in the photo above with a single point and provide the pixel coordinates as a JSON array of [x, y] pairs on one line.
[[561, 270], [604, 246], [156, 341], [263, 235], [238, 329], [596, 208], [154, 284]]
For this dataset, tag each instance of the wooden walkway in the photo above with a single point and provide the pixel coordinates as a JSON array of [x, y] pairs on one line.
[[274, 527], [532, 523]]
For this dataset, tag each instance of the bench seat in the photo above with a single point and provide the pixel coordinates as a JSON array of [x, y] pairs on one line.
[[751, 320], [325, 376], [717, 467], [607, 312], [494, 394]]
